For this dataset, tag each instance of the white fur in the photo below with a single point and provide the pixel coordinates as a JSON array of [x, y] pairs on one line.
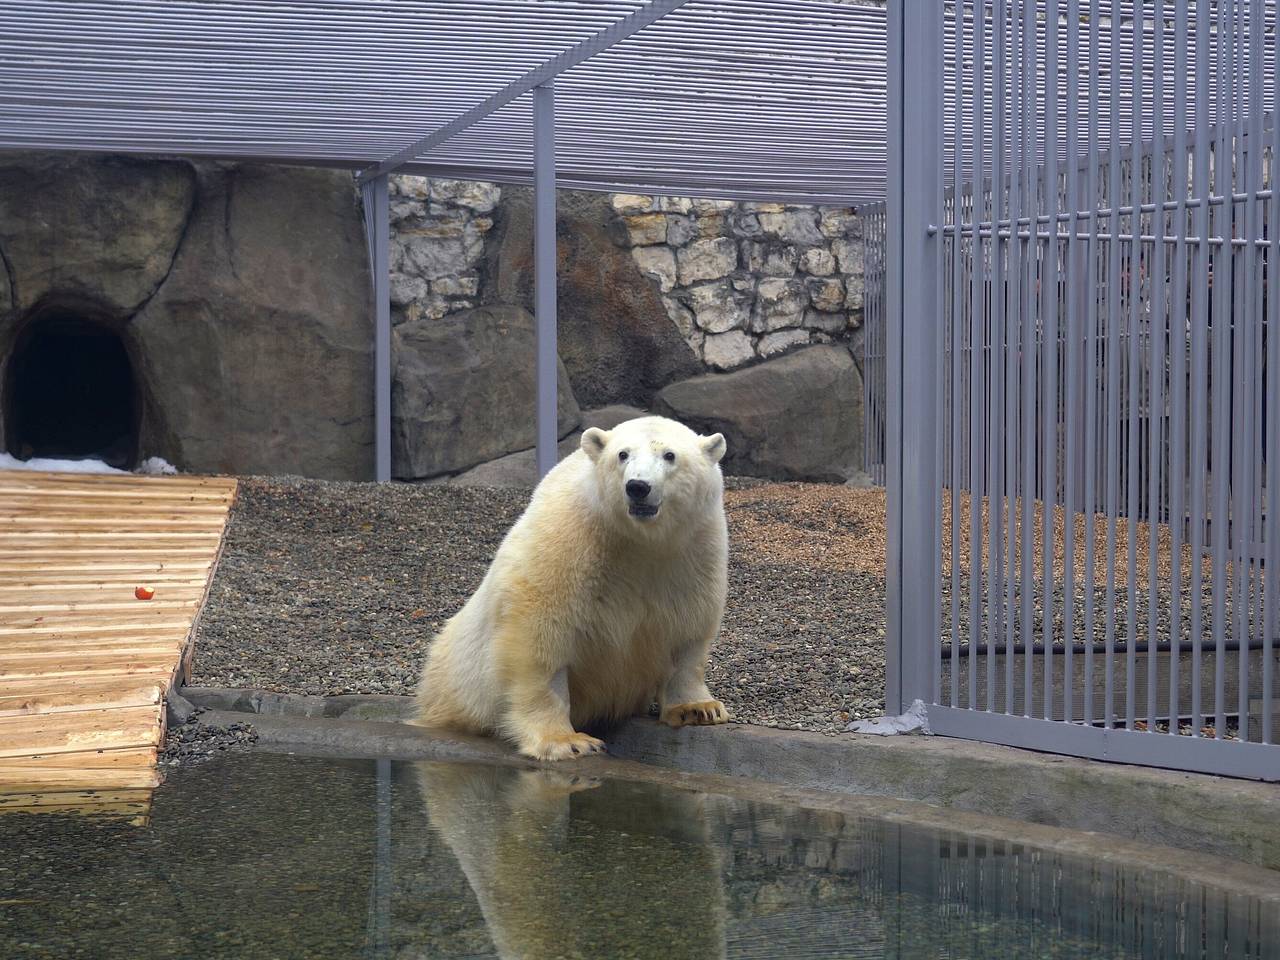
[[626, 606]]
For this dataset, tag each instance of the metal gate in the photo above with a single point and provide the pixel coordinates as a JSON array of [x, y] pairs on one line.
[[1082, 268]]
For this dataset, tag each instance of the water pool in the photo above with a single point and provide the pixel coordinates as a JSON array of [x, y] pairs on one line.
[[267, 856]]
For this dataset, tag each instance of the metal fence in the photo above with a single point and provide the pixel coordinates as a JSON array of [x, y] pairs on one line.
[[1080, 278], [874, 383]]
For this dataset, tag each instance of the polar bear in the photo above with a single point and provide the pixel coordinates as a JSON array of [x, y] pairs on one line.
[[605, 595]]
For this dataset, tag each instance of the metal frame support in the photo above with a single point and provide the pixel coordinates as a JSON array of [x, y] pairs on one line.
[[540, 76], [544, 273], [914, 270], [378, 233]]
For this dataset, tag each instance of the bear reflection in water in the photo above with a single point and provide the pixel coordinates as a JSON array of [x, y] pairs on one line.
[[562, 866]]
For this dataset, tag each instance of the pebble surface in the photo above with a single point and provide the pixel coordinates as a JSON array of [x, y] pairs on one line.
[[336, 587]]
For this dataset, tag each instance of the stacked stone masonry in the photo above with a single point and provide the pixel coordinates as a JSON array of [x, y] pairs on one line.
[[438, 231], [741, 282], [747, 281]]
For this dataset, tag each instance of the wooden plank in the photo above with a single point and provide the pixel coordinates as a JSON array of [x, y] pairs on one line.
[[136, 811], [11, 660], [29, 686], [157, 668], [82, 528], [72, 763], [17, 776], [101, 626], [85, 558], [41, 480], [83, 730], [108, 518], [83, 664], [123, 504], [74, 538], [72, 598], [111, 603], [36, 798], [14, 582], [132, 554], [24, 572], [120, 692]]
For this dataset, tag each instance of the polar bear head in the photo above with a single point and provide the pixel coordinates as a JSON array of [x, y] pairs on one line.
[[652, 471]]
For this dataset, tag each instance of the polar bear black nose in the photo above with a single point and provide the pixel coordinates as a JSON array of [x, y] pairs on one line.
[[637, 489]]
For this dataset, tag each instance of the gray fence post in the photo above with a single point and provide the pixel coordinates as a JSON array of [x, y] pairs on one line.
[[913, 326], [378, 230], [544, 272]]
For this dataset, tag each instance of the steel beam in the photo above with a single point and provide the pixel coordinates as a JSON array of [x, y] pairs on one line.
[[378, 233], [543, 74], [913, 326]]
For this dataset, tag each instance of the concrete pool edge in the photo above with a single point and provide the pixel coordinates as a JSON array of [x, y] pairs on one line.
[[1231, 820]]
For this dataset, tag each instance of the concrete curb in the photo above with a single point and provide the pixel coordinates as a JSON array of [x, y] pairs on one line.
[[1232, 819]]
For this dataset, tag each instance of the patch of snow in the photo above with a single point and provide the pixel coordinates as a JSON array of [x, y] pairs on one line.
[[9, 462], [915, 720], [156, 466], [152, 466]]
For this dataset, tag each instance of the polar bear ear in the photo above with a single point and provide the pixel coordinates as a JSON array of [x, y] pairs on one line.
[[714, 447], [594, 440]]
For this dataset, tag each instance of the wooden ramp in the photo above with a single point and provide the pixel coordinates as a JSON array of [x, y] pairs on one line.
[[85, 664]]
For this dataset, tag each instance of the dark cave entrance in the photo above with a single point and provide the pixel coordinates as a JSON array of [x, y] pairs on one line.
[[70, 392]]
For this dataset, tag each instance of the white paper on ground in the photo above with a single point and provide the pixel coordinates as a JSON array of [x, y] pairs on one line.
[[915, 720]]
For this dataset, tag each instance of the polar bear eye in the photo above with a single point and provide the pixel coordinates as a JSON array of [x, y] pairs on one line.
[[669, 457], [622, 457]]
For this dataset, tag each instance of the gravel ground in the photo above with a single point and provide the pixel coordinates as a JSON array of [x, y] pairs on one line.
[[330, 588], [187, 744]]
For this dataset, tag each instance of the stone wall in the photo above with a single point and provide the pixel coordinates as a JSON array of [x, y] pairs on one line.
[[733, 317], [740, 282], [438, 231], [239, 292], [747, 281]]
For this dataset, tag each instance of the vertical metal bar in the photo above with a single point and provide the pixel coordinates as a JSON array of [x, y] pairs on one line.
[[1271, 531], [870, 275], [1027, 577], [1221, 380], [999, 349], [1247, 333], [378, 230], [1091, 363], [1111, 350], [1133, 381], [1198, 478], [1237, 357], [952, 406], [1049, 356], [944, 349], [1156, 339], [977, 353], [1071, 454], [914, 261], [1014, 338], [1178, 347], [544, 272]]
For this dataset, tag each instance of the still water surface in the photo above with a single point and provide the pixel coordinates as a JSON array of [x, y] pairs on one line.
[[261, 856]]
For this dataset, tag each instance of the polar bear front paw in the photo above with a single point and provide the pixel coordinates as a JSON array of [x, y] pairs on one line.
[[701, 713], [563, 746]]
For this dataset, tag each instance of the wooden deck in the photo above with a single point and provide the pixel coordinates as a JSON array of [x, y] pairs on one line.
[[84, 664]]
